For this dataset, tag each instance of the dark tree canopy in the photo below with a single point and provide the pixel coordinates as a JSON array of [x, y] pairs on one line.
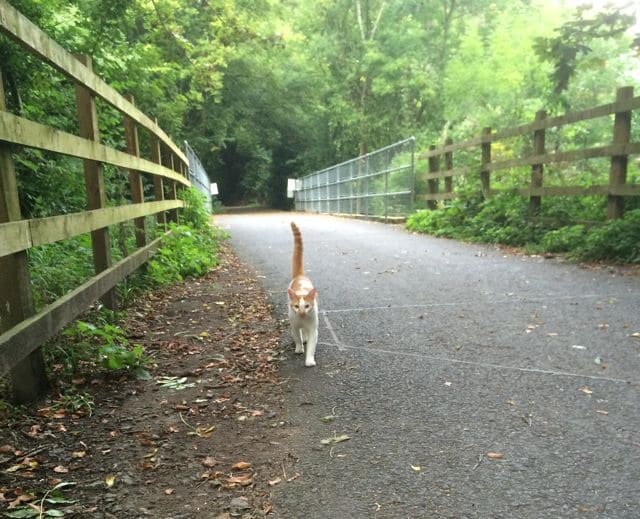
[[266, 90]]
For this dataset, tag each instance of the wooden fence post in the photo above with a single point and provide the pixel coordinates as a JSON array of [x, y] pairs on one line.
[[537, 170], [432, 183], [448, 166], [618, 169], [158, 183], [172, 193], [485, 175], [135, 178], [94, 181], [28, 377]]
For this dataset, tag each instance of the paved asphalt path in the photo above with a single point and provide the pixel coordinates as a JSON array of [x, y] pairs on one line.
[[434, 354]]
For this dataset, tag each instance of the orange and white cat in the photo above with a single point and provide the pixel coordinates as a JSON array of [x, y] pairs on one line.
[[303, 305]]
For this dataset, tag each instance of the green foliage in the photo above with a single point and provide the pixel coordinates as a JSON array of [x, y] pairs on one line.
[[499, 219], [572, 45], [266, 91], [190, 249], [59, 267], [186, 251], [73, 401], [194, 212], [437, 223], [48, 500], [617, 240], [104, 345], [503, 219], [564, 239]]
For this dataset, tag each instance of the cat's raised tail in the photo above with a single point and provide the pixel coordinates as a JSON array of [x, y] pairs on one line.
[[298, 269]]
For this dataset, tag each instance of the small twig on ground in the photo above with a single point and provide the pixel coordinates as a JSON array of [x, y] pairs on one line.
[[185, 422]]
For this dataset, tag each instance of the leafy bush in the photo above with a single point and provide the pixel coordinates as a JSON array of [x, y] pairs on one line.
[[191, 248], [436, 223], [87, 346], [503, 219], [194, 213], [499, 219], [564, 239], [617, 240], [59, 267], [185, 252]]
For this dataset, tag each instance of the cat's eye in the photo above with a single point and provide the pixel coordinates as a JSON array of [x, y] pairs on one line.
[[307, 307], [296, 306]]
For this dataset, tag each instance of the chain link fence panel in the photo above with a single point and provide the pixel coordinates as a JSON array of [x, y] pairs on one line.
[[379, 184], [198, 175]]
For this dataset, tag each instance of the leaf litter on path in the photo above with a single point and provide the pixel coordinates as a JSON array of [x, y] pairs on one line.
[[138, 457]]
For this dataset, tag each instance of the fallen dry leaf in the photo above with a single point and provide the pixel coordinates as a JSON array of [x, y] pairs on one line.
[[335, 439], [204, 432], [242, 465], [35, 430], [212, 476], [274, 482], [209, 461], [22, 498], [243, 481], [60, 469], [110, 481], [585, 390], [169, 491], [495, 455], [152, 453], [602, 412]]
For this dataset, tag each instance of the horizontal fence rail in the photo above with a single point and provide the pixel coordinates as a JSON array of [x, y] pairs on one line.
[[378, 184], [481, 165], [163, 172]]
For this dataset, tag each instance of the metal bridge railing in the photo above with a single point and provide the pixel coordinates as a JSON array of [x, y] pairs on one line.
[[380, 184], [197, 174]]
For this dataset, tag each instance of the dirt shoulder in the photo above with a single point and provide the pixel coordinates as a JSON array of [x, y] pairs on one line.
[[205, 444]]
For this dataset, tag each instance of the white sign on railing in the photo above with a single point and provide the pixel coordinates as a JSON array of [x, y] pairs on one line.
[[292, 187]]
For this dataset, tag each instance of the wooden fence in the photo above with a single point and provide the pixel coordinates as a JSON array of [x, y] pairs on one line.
[[23, 331], [482, 165]]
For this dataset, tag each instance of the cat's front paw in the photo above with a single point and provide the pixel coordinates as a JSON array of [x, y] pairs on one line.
[[310, 363], [299, 349]]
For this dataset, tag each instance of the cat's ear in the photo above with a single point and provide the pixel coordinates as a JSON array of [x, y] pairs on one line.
[[292, 294], [313, 293]]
